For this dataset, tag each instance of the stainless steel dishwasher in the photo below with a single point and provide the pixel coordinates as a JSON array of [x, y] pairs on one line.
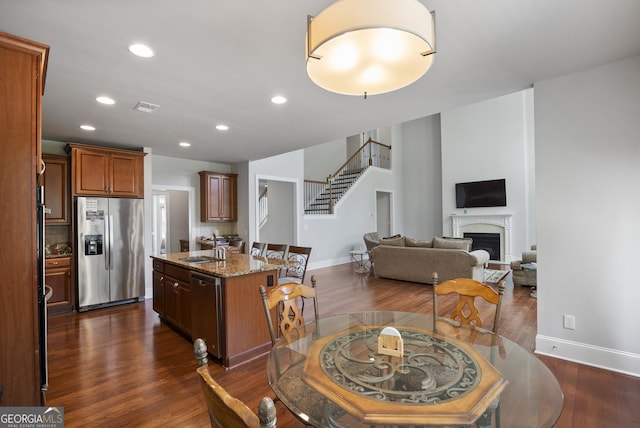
[[206, 311]]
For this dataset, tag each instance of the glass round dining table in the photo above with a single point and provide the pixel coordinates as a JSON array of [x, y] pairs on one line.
[[341, 372]]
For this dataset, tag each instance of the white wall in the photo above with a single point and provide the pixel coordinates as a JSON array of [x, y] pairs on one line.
[[588, 176], [183, 174], [324, 159], [289, 168], [421, 178], [490, 140]]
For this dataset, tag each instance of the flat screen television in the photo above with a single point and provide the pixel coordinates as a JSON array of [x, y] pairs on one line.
[[488, 193]]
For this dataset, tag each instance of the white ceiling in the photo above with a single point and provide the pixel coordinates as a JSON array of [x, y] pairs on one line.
[[220, 61]]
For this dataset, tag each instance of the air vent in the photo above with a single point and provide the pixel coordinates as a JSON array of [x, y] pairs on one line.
[[146, 107]]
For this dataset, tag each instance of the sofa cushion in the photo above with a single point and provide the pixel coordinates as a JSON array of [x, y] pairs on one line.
[[394, 242], [452, 243], [408, 242]]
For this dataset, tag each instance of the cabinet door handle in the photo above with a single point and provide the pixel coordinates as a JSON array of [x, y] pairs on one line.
[[162, 279], [55, 263], [69, 274], [175, 285]]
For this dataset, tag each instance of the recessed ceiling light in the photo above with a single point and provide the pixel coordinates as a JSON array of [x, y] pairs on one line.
[[88, 127], [141, 50], [222, 127], [184, 144], [105, 100], [278, 99]]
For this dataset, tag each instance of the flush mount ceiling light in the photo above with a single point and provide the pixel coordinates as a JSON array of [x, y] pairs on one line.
[[105, 100], [143, 51], [184, 144], [278, 99], [222, 127], [87, 127], [368, 47]]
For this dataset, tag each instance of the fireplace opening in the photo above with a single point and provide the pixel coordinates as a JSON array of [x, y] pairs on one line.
[[490, 242]]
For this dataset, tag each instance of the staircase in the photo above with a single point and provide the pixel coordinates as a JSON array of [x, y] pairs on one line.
[[322, 196], [330, 193]]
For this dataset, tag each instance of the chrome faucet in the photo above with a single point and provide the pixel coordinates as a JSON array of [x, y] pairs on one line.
[[218, 253]]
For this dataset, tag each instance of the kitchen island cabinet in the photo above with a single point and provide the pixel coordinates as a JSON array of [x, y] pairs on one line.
[[225, 310]]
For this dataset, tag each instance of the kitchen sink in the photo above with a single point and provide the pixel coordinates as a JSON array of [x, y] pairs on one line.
[[200, 259]]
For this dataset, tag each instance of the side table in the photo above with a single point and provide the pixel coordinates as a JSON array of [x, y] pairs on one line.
[[361, 265], [531, 273]]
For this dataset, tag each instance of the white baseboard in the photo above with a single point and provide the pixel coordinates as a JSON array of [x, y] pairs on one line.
[[328, 263], [591, 355]]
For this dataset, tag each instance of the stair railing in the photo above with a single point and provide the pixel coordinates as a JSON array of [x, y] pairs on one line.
[[371, 153], [263, 207]]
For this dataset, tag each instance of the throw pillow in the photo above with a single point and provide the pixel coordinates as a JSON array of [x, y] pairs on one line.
[[452, 243], [395, 242], [413, 243]]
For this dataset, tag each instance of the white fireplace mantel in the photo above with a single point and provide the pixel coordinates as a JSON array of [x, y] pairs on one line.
[[502, 221]]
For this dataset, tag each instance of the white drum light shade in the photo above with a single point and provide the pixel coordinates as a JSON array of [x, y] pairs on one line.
[[368, 47]]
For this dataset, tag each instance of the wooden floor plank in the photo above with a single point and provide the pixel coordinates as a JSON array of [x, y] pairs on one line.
[[122, 367]]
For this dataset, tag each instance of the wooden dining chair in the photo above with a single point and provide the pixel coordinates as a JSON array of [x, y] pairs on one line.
[[466, 312], [257, 249], [297, 268], [467, 289], [283, 298], [276, 251], [226, 411]]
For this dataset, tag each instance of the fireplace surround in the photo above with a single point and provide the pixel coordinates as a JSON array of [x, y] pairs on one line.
[[486, 223]]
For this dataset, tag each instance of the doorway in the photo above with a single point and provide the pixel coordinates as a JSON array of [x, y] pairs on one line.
[[160, 229], [279, 224], [172, 212], [383, 213]]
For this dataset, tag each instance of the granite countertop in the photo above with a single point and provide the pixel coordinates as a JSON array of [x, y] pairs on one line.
[[234, 265]]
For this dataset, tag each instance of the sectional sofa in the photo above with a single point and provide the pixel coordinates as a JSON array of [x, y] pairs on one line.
[[406, 259]]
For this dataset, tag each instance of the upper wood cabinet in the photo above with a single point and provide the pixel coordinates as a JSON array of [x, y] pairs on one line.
[[100, 171], [56, 189], [218, 201]]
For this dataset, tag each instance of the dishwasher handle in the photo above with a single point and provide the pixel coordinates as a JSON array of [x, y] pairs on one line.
[[204, 280]]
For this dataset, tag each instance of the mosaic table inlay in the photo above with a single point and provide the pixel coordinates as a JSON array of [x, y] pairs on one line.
[[437, 378]]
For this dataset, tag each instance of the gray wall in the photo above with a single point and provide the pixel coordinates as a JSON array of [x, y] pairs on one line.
[[421, 177], [588, 176], [492, 139]]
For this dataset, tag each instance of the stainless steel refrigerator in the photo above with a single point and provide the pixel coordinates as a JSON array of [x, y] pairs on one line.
[[109, 251]]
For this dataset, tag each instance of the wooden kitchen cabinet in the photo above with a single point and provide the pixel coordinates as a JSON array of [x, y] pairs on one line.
[[98, 171], [23, 64], [57, 275], [176, 297], [158, 287], [218, 200], [56, 189]]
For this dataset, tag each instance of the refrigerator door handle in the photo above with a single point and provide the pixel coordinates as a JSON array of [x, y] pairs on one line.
[[105, 242], [110, 249]]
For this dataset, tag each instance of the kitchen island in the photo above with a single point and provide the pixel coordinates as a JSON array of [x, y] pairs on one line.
[[216, 300]]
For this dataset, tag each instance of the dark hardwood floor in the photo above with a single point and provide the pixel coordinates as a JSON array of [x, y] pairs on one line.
[[121, 367]]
